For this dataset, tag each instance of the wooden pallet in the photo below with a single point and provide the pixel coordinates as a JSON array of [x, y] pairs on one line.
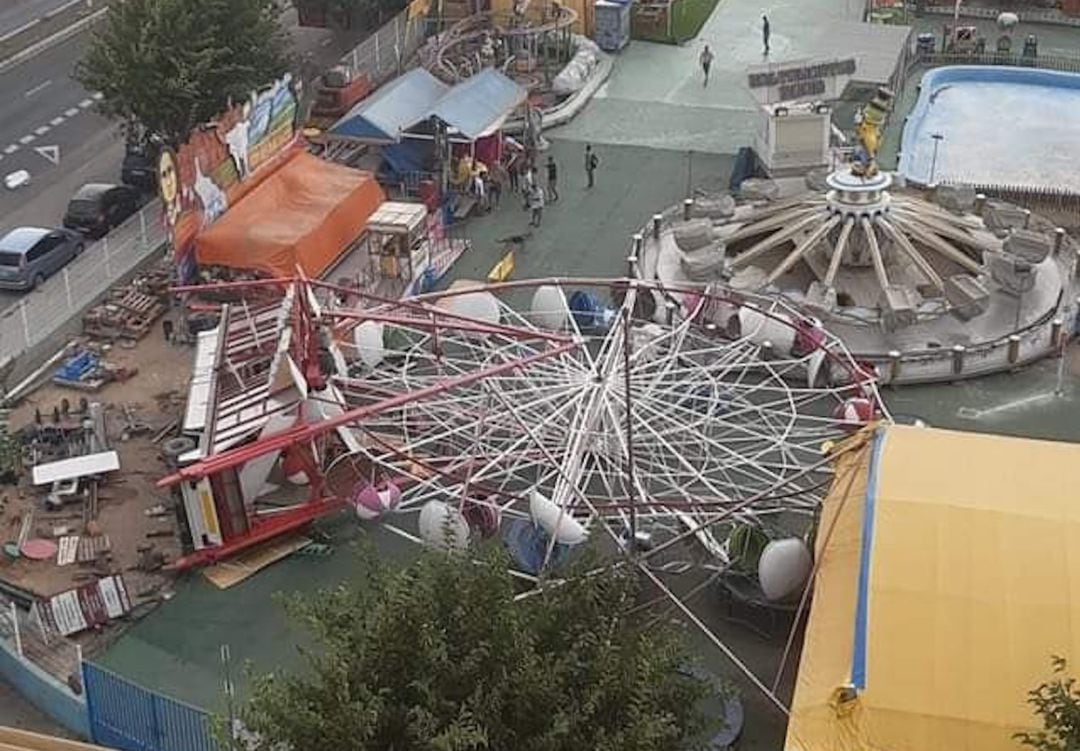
[[91, 548]]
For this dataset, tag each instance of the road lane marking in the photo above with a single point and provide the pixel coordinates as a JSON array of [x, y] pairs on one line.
[[42, 130], [71, 112], [28, 138], [37, 89], [56, 120], [11, 149], [86, 103], [98, 96], [52, 153]]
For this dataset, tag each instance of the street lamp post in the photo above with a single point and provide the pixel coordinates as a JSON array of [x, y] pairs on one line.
[[933, 159]]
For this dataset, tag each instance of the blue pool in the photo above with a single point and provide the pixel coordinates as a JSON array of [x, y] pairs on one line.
[[997, 125]]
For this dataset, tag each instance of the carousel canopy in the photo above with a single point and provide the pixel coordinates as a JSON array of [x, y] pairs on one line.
[[947, 581]]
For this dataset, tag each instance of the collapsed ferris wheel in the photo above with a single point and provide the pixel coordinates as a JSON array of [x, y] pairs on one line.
[[571, 415], [546, 413]]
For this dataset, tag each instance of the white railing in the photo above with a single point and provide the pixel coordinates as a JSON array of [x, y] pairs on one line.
[[40, 315]]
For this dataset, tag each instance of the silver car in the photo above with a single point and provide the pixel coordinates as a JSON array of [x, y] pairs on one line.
[[29, 255]]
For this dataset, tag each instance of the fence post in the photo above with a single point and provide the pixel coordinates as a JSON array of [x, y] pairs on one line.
[[15, 628], [397, 41], [67, 287], [25, 322]]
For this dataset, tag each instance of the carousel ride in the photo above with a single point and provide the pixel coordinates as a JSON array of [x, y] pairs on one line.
[[893, 271], [546, 414]]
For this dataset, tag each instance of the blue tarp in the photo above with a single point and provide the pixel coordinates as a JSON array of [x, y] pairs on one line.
[[478, 105], [473, 108], [394, 108]]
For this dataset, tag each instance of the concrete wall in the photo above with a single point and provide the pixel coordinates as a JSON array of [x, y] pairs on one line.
[[43, 691]]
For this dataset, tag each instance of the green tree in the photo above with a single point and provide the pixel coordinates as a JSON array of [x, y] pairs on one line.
[[1057, 702], [437, 655], [167, 66]]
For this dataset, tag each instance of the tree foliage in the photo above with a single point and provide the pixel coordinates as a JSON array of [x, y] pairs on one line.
[[1057, 702], [438, 656], [170, 65]]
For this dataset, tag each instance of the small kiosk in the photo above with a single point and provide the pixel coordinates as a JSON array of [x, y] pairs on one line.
[[398, 246]]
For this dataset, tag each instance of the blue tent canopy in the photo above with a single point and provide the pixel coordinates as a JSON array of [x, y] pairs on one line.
[[477, 106], [393, 108], [473, 108]]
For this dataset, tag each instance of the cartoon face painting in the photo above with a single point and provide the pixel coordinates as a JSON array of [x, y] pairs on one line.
[[169, 186]]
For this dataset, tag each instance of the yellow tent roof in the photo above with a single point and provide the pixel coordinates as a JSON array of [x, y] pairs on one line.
[[949, 574]]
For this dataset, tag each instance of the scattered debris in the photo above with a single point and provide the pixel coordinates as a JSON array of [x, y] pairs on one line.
[[81, 608]]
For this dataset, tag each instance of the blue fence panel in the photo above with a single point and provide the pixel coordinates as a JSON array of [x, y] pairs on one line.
[[126, 716]]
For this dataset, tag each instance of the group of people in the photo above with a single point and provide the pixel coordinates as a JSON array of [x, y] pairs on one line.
[[522, 176]]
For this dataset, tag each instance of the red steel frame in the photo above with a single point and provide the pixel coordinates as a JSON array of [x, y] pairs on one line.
[[304, 348]]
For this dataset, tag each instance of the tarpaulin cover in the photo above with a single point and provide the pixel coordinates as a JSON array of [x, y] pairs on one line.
[[305, 214], [949, 575], [475, 107], [394, 108], [478, 105]]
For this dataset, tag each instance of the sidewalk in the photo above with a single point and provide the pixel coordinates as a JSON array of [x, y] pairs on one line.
[[655, 95]]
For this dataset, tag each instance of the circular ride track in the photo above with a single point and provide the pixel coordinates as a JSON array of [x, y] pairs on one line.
[[464, 49]]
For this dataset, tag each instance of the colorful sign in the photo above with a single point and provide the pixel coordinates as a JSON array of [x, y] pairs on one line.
[[199, 180]]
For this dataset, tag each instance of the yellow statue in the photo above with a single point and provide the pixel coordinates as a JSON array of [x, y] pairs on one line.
[[869, 122]]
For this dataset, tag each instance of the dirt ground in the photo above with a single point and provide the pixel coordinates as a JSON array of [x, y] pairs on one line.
[[155, 397]]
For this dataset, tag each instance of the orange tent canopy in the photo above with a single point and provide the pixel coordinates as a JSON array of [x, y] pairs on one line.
[[305, 214]]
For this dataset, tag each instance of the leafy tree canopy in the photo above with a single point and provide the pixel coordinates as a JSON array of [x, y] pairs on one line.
[[438, 656], [169, 65], [1057, 702]]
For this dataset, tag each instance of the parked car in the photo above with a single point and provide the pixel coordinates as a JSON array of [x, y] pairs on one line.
[[98, 207], [140, 166], [29, 255]]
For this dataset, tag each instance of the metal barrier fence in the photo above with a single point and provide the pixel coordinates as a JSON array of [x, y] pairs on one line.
[[126, 716], [40, 314], [385, 53], [1064, 63]]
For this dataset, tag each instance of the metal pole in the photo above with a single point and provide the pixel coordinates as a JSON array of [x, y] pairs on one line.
[[229, 691], [955, 23], [933, 161], [629, 431], [15, 628]]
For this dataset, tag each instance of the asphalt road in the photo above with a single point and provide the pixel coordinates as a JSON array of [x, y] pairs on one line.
[[48, 128], [14, 14]]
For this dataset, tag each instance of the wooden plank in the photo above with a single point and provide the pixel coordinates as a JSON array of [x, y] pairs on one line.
[[69, 548], [235, 570]]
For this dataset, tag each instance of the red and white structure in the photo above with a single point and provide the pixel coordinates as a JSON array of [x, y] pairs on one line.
[[586, 406]]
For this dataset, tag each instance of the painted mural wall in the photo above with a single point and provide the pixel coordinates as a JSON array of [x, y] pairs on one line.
[[222, 160]]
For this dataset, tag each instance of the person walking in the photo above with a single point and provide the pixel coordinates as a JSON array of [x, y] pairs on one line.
[[513, 169], [592, 161], [765, 32], [706, 62], [536, 203], [528, 182], [494, 187], [552, 179]]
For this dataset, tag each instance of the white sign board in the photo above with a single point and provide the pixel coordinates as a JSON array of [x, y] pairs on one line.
[[800, 80]]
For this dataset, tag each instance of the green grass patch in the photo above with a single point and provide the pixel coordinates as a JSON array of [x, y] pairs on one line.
[[676, 23]]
